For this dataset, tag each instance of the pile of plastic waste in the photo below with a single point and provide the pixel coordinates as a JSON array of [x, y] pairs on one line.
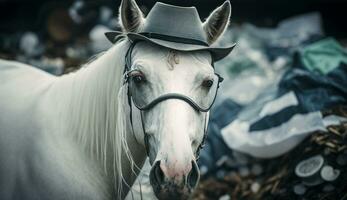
[[289, 99], [315, 169], [274, 133]]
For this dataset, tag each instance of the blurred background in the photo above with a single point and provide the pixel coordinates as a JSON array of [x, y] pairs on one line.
[[58, 26], [278, 129]]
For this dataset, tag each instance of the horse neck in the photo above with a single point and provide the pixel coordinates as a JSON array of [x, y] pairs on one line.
[[92, 103]]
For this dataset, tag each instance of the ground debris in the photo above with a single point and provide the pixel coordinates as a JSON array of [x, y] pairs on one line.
[[278, 179]]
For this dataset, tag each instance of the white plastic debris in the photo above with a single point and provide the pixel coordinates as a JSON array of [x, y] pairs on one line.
[[279, 104], [98, 39], [203, 170], [309, 167], [328, 173], [73, 11], [29, 44], [309, 170], [225, 197], [255, 187], [332, 120], [271, 142]]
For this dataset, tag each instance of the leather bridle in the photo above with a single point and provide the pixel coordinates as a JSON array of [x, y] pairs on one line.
[[161, 98]]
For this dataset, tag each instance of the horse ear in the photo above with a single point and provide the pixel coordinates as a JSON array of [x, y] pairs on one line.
[[131, 17], [217, 22]]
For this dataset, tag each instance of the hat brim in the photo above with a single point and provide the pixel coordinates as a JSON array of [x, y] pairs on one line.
[[218, 53]]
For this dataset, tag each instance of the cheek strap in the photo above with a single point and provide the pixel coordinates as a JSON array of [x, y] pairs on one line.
[[136, 116], [202, 144], [142, 138]]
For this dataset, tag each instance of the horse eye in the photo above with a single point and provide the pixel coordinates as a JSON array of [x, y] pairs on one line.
[[138, 78], [207, 83]]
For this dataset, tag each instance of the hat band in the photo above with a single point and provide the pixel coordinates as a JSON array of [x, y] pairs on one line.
[[176, 39]]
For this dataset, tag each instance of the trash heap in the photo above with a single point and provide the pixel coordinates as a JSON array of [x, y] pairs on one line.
[[315, 169], [279, 127]]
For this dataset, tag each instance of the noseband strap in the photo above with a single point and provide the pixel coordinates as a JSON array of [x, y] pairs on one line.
[[156, 101], [173, 96]]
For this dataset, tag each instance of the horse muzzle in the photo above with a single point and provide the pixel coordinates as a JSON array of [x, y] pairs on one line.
[[168, 185]]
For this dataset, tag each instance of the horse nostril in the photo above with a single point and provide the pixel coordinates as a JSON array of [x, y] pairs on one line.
[[194, 175], [157, 174]]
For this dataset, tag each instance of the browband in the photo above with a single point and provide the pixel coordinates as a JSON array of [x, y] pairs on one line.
[[176, 39]]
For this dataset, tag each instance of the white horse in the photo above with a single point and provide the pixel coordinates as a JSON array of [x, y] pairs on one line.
[[69, 137]]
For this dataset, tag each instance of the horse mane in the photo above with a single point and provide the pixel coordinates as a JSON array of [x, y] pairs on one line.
[[96, 111]]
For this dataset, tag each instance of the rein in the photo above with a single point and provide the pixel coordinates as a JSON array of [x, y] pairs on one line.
[[156, 101]]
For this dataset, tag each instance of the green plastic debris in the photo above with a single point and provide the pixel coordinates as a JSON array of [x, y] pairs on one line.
[[323, 56]]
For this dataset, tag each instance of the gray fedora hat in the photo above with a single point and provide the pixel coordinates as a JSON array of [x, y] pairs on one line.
[[174, 27]]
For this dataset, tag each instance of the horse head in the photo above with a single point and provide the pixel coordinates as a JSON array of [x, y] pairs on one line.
[[171, 92]]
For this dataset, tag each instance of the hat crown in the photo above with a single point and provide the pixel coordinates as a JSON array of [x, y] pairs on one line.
[[183, 22], [174, 27]]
